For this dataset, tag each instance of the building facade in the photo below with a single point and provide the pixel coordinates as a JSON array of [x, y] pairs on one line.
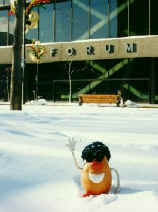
[[97, 46]]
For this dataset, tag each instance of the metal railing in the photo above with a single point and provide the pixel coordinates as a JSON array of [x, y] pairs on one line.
[[136, 89]]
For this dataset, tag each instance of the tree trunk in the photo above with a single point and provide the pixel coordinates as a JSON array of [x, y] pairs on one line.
[[17, 75]]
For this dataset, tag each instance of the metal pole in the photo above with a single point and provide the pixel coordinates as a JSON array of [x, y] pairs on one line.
[[152, 81], [36, 80], [71, 23], [54, 21], [8, 30], [128, 18], [149, 17], [89, 20], [70, 83], [108, 19]]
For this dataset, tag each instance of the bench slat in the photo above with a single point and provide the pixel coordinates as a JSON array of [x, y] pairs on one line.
[[99, 98]]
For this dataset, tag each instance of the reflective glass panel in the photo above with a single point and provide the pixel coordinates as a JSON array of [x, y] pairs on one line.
[[3, 27], [63, 21], [122, 18], [153, 19], [113, 18], [139, 17], [4, 2], [80, 27], [46, 23], [32, 34], [99, 20], [11, 28], [7, 1]]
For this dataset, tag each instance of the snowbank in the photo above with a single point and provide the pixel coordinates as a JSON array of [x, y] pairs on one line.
[[37, 172]]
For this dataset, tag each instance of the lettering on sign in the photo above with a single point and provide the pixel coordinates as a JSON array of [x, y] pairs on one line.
[[70, 51], [90, 50], [131, 47], [53, 52], [110, 48]]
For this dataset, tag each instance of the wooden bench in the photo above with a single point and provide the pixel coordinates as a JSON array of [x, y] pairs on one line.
[[100, 98]]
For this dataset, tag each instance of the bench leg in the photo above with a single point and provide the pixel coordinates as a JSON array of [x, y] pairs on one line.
[[80, 102], [118, 104]]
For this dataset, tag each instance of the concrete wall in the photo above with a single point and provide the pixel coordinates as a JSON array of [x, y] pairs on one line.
[[127, 47]]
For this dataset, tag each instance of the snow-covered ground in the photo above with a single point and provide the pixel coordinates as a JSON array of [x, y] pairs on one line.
[[37, 172]]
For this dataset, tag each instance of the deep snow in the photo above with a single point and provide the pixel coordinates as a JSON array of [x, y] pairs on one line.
[[37, 172]]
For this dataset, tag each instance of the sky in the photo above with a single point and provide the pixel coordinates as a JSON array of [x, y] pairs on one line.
[[37, 172]]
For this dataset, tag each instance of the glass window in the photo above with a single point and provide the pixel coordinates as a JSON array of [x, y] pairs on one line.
[[133, 17], [153, 17], [46, 23], [11, 28], [4, 2], [80, 27], [123, 18], [32, 34], [4, 27], [63, 21], [113, 18], [141, 17], [7, 1], [99, 20]]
